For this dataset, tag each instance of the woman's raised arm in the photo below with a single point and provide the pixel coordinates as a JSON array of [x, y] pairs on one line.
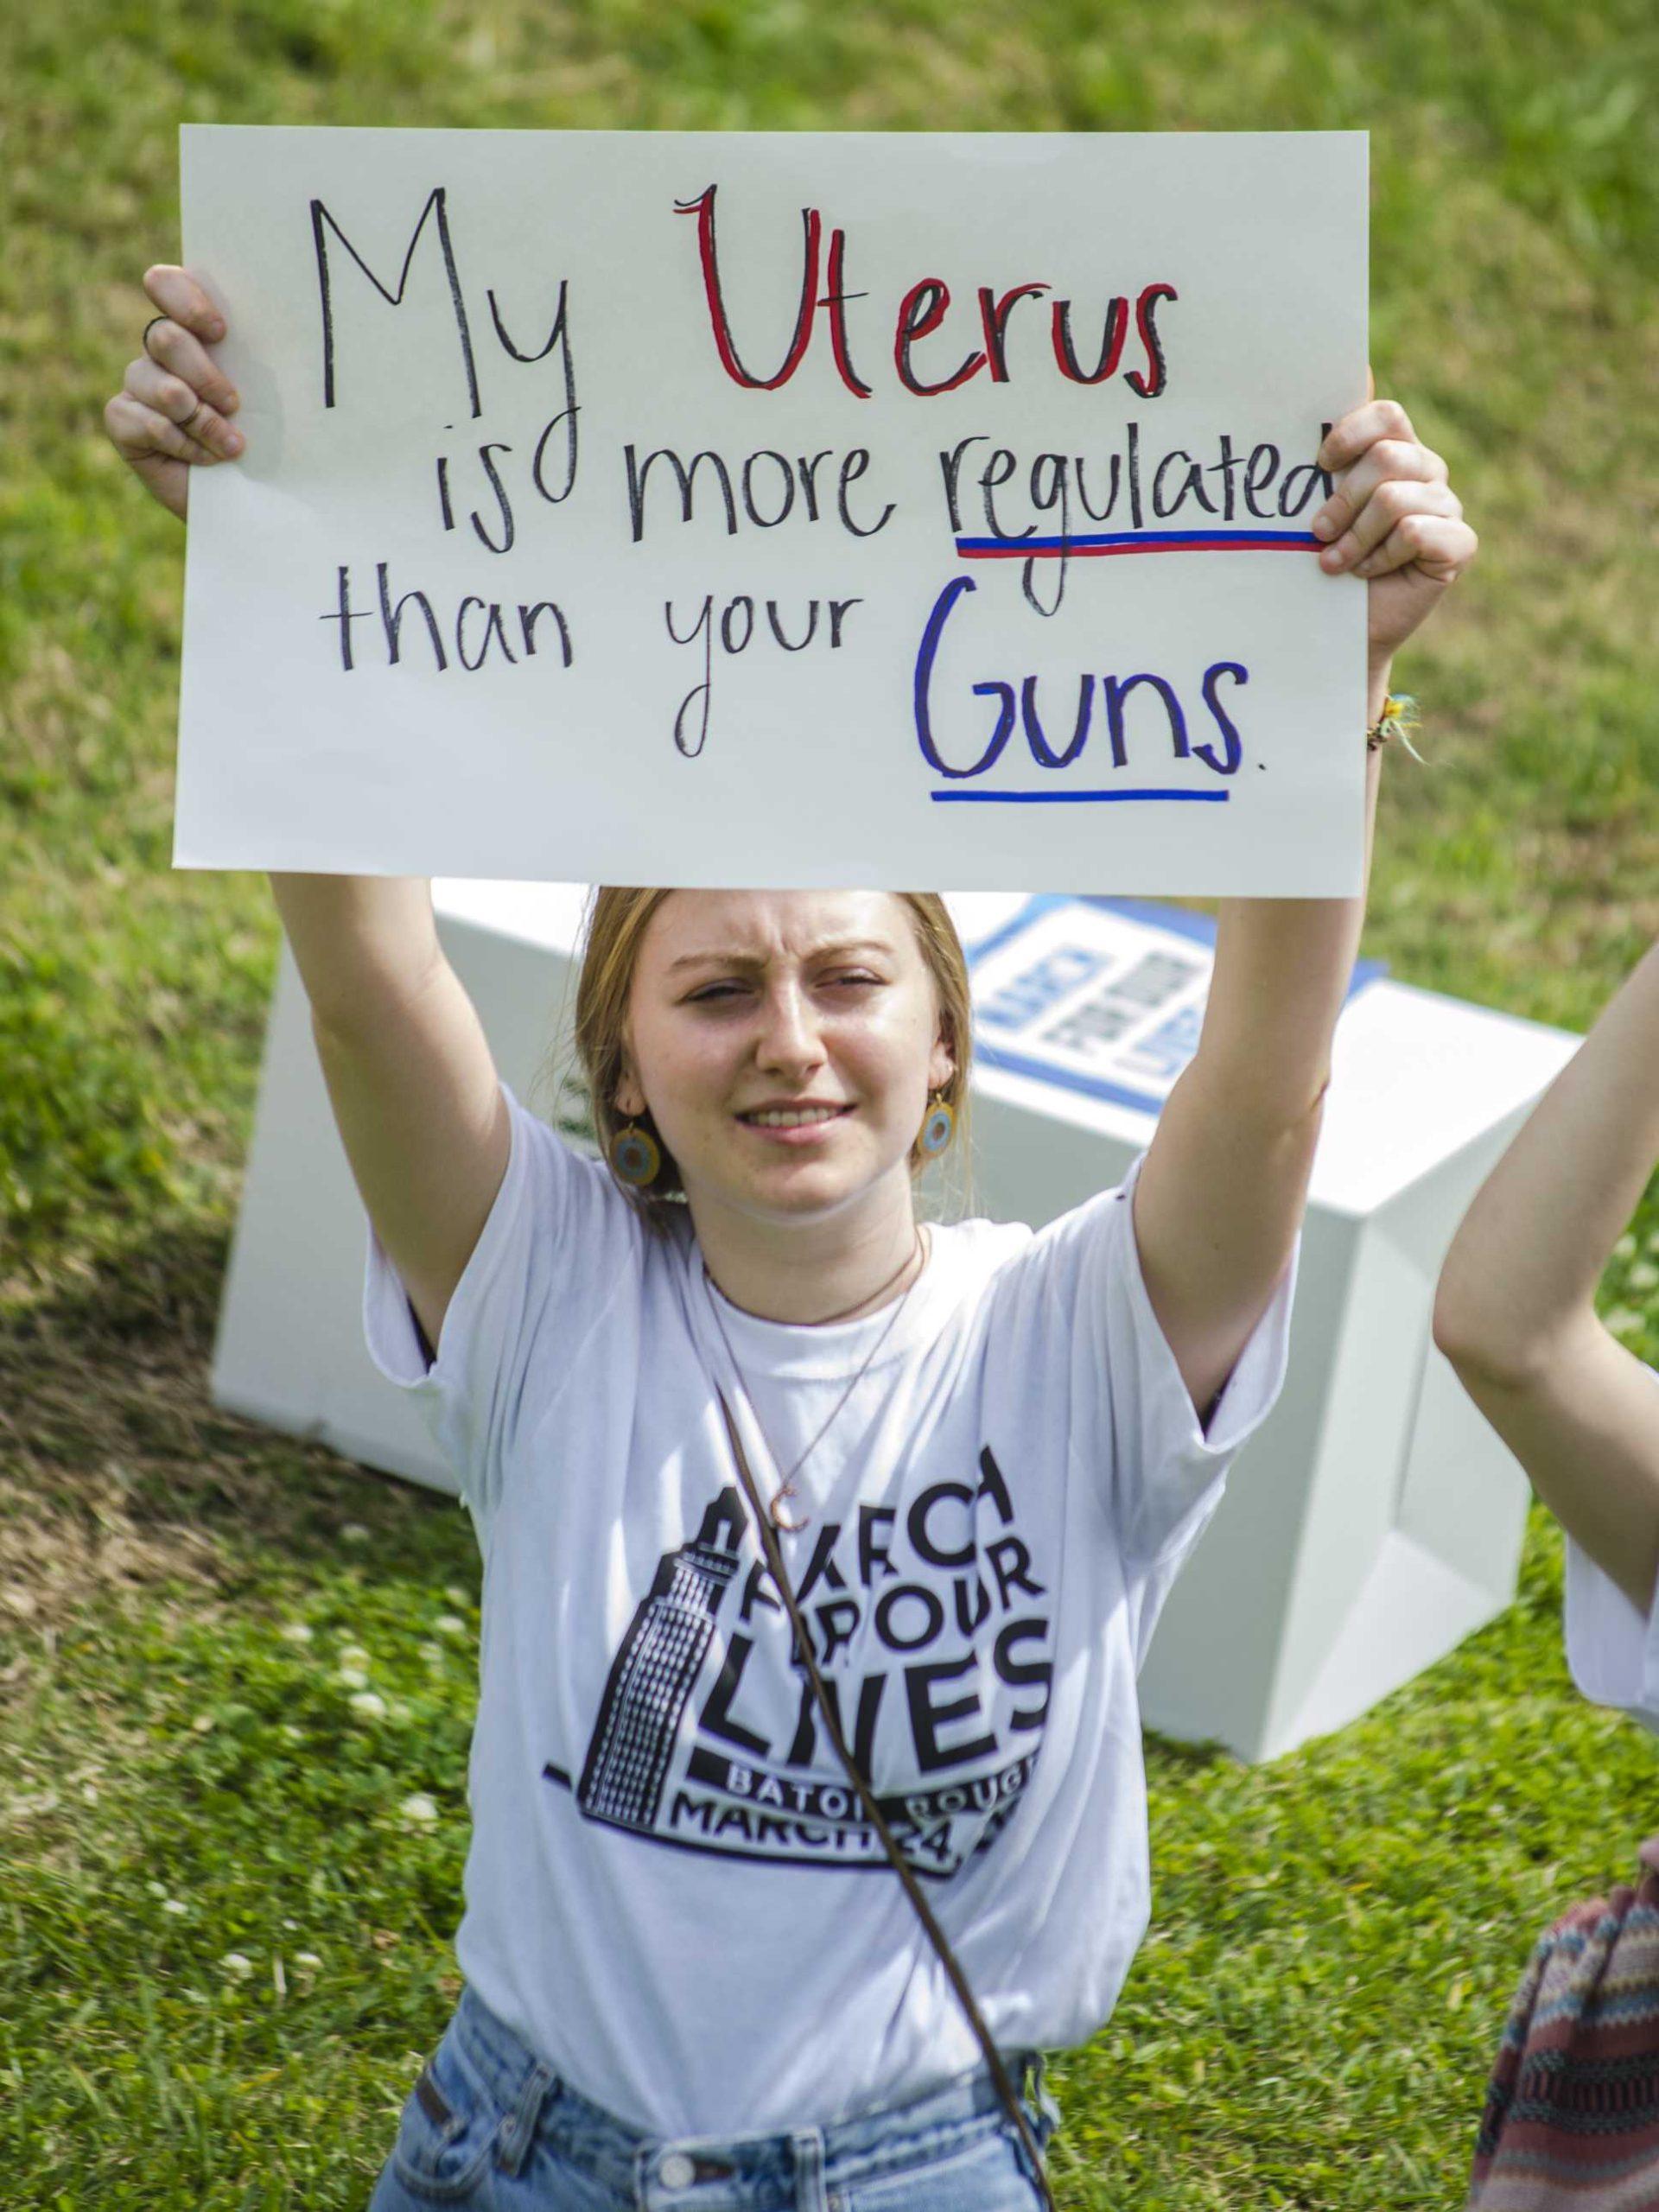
[[1222, 1194], [411, 1076], [410, 1073], [1514, 1311]]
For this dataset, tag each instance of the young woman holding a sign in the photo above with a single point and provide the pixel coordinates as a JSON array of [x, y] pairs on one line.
[[967, 1461]]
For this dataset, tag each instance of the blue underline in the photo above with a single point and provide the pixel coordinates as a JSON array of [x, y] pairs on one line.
[[1074, 798]]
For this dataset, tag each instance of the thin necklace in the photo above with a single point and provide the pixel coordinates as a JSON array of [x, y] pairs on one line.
[[786, 1486], [826, 1320]]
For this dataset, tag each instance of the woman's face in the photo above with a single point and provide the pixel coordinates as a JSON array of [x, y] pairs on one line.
[[785, 1044]]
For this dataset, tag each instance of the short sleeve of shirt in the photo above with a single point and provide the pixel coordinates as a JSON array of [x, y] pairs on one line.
[[1612, 1652], [1084, 1321], [561, 1241]]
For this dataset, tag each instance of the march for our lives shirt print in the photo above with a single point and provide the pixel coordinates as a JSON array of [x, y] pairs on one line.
[[931, 1623]]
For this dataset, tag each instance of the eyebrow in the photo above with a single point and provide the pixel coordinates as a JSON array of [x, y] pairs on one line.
[[714, 957]]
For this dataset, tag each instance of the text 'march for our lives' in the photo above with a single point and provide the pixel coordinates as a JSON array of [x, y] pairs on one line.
[[784, 509]]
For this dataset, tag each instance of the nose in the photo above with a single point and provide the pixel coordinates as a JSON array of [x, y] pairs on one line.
[[788, 1040]]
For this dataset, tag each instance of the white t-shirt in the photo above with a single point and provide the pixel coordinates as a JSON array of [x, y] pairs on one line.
[[1612, 1652], [671, 1894]]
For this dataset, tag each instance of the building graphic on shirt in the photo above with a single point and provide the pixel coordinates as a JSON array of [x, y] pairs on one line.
[[656, 1671], [707, 1738]]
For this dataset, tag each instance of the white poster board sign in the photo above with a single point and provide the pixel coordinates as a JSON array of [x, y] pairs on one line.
[[776, 510], [1101, 996]]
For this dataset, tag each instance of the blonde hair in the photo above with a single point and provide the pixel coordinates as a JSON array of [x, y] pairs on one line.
[[616, 921]]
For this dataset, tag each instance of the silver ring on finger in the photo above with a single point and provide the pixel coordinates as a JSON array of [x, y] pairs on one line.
[[148, 326]]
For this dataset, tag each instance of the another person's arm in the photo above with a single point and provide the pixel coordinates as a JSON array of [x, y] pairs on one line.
[[1221, 1196], [409, 1074], [1515, 1311]]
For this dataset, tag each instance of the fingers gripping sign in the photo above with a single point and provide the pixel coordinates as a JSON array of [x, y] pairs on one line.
[[1393, 518], [172, 411]]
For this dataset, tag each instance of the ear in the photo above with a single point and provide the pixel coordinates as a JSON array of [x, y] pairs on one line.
[[942, 1062], [629, 1100]]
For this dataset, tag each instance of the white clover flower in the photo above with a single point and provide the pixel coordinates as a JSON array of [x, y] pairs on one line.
[[456, 1594], [156, 1889], [202, 1723], [353, 1655], [352, 1678], [369, 1706], [307, 1962], [450, 1624], [173, 1906], [1642, 1277], [238, 1965], [89, 1792], [1625, 1249], [1624, 1323], [295, 1632], [433, 1653], [292, 1926], [354, 1533], [419, 1811], [290, 1734]]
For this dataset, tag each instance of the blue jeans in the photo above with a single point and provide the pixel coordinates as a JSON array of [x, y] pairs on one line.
[[488, 2124]]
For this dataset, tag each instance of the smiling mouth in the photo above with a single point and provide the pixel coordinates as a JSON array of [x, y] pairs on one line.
[[793, 1117]]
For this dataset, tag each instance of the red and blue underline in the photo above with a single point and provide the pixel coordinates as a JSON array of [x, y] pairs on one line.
[[1137, 540]]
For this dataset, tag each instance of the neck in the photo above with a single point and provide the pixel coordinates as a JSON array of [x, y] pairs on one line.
[[851, 1264]]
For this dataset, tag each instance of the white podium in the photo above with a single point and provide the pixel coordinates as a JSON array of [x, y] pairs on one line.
[[1374, 1521]]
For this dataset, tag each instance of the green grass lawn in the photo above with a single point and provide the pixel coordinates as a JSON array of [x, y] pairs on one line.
[[226, 1890]]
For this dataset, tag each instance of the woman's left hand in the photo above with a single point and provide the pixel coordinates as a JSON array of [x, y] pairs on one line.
[[1393, 518]]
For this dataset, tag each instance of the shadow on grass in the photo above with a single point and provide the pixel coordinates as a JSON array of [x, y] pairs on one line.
[[117, 1470], [1174, 1756]]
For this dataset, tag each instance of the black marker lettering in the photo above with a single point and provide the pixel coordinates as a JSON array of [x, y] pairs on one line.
[[703, 626], [639, 476], [502, 501], [436, 205], [345, 617], [852, 468], [391, 618], [527, 617]]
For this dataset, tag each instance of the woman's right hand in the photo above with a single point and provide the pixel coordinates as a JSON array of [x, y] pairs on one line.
[[169, 415]]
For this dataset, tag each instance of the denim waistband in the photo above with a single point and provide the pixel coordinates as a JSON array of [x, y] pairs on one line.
[[740, 2173]]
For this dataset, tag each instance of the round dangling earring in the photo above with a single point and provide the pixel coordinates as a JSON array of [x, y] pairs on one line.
[[635, 1156], [939, 1127]]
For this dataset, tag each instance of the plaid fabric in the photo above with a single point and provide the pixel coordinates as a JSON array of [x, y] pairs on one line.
[[1572, 2118]]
